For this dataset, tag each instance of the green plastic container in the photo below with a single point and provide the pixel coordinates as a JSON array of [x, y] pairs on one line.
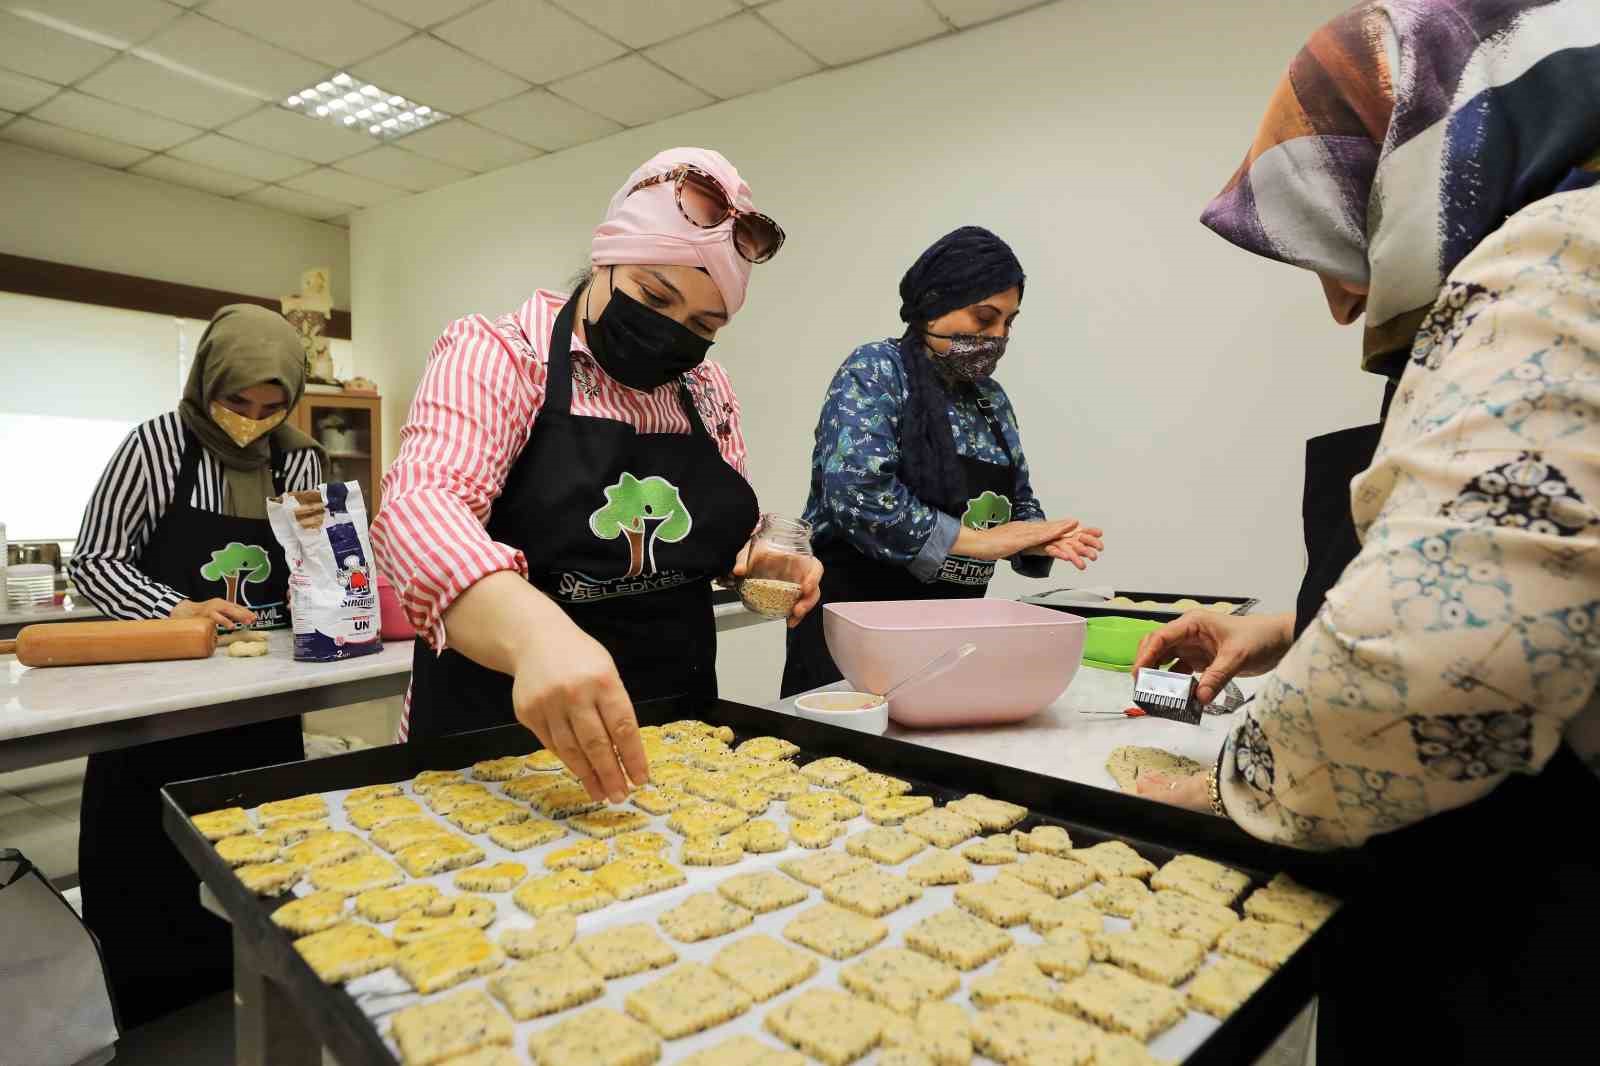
[[1112, 643]]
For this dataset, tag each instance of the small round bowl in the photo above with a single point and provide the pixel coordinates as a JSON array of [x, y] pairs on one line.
[[861, 711]]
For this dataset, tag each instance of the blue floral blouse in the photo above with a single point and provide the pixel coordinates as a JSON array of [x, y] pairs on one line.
[[855, 493]]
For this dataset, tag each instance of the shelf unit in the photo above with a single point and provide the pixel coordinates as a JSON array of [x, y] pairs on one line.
[[364, 415]]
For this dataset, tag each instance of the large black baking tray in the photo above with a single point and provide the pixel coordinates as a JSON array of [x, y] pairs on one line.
[[1243, 604], [1090, 814]]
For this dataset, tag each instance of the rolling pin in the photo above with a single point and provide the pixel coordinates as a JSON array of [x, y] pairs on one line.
[[92, 643]]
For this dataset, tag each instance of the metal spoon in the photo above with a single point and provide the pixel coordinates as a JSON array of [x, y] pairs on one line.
[[933, 668]]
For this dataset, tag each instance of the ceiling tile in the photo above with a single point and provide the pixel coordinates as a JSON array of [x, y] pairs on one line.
[[544, 119], [236, 157], [62, 141], [292, 133], [90, 114], [296, 203], [337, 185], [18, 92], [462, 144], [843, 31], [128, 21], [45, 53], [403, 169], [166, 92], [336, 32], [637, 25], [631, 91], [180, 172], [422, 13], [736, 56], [533, 38], [433, 73], [966, 13], [224, 53]]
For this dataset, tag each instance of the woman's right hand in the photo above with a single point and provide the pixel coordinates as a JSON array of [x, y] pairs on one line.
[[1219, 647], [226, 615], [1011, 538], [566, 689]]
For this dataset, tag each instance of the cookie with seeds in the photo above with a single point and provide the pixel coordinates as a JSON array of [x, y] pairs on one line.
[[744, 1051], [831, 1026], [625, 950], [992, 815], [834, 931], [448, 959], [1202, 879], [871, 892], [687, 1000], [447, 798], [638, 875], [997, 850], [476, 911], [503, 769], [324, 849], [895, 810], [1267, 944], [598, 1036], [1066, 954], [354, 876], [885, 845], [832, 772], [292, 830], [704, 916], [603, 825], [428, 780], [546, 984], [641, 842], [310, 806], [1119, 1049], [240, 850], [763, 967], [367, 793], [268, 878], [310, 914], [434, 1033], [1016, 978], [414, 929], [816, 805], [711, 851], [702, 819], [533, 833], [659, 799], [768, 749], [485, 815], [552, 933], [1050, 875], [346, 951], [818, 870], [397, 836], [527, 789], [785, 786], [494, 877], [760, 837], [1176, 914], [387, 904], [1022, 1033], [438, 854], [584, 855], [1121, 1002], [377, 812], [1120, 897], [1113, 859], [943, 827], [1001, 902], [1074, 914], [572, 891], [940, 868], [762, 892], [564, 801], [1222, 987], [1044, 840], [958, 938], [874, 786], [544, 761], [899, 979], [815, 834], [1283, 900]]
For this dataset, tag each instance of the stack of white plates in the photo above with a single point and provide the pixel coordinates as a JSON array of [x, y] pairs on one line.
[[30, 585]]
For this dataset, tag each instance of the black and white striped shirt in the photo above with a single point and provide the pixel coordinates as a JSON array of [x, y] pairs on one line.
[[133, 494]]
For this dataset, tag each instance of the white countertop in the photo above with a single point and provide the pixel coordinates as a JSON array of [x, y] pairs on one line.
[[1060, 742], [34, 701]]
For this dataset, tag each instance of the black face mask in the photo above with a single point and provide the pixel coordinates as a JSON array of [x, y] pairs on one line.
[[639, 346]]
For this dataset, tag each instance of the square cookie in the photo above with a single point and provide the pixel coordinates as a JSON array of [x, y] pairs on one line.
[[1050, 875], [1044, 840], [943, 827], [1003, 902], [659, 799], [1065, 954], [324, 849], [311, 914], [624, 950], [346, 951], [298, 807], [641, 842], [815, 834], [899, 979], [760, 837], [768, 748], [1155, 956], [1016, 978], [1021, 1033], [1120, 897], [744, 1051], [831, 1026], [603, 825], [437, 855], [764, 967], [703, 916], [520, 836], [701, 819], [884, 844], [496, 877], [1202, 879], [819, 806], [1113, 859], [1075, 914], [834, 931], [503, 769], [896, 810], [1115, 999], [871, 892], [399, 835], [569, 891], [428, 780], [997, 850], [832, 771], [268, 878], [550, 934], [598, 1036], [762, 892], [377, 812], [527, 789], [1267, 944], [992, 815], [1176, 914], [387, 904], [958, 938], [218, 825], [247, 848], [293, 830], [447, 798], [638, 875], [687, 1000], [448, 959], [818, 870], [1285, 901], [544, 985], [432, 1033], [871, 786], [367, 793], [564, 801], [1223, 986], [940, 868], [584, 855], [711, 851], [484, 815], [357, 875]]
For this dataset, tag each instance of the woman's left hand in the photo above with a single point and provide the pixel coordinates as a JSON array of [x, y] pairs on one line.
[[1190, 791], [1080, 547], [803, 570]]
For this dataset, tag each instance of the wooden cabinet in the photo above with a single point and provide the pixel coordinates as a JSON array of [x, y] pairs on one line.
[[353, 423]]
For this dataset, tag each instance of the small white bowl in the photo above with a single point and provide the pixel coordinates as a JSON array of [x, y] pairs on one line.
[[860, 711]]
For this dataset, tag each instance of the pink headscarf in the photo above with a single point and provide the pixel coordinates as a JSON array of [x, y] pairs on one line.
[[647, 227]]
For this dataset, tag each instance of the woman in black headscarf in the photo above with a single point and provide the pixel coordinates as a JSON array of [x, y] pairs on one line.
[[918, 481]]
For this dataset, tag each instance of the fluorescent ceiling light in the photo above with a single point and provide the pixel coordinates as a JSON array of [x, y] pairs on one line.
[[348, 101]]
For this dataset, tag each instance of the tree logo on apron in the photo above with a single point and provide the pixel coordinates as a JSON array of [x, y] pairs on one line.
[[238, 565], [987, 511], [645, 511]]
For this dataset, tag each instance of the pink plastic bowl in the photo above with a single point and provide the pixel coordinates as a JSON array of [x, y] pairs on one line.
[[1026, 657], [392, 622]]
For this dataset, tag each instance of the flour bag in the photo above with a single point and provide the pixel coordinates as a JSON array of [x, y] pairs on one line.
[[333, 584]]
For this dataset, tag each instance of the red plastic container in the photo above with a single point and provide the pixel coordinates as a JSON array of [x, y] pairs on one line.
[[392, 621]]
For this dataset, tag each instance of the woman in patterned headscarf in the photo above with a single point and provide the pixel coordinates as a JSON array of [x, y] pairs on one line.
[[1433, 702]]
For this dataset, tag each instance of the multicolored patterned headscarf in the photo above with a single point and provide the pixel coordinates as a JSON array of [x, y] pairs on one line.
[[1405, 132]]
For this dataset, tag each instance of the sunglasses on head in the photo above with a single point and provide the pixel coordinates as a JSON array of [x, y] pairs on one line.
[[706, 204]]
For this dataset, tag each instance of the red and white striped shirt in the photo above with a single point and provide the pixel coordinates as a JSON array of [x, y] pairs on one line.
[[480, 395]]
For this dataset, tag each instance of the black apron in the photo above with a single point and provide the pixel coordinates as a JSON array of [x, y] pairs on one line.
[[625, 530], [162, 950], [848, 576], [1476, 940]]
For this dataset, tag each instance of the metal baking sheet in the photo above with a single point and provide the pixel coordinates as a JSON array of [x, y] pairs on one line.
[[1242, 604], [348, 1020]]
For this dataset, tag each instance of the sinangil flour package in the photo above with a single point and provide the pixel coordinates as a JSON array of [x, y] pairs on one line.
[[333, 584]]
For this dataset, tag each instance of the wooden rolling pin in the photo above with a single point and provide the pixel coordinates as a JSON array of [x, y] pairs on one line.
[[91, 643]]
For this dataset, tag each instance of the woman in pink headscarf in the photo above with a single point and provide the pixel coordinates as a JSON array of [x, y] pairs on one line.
[[572, 478]]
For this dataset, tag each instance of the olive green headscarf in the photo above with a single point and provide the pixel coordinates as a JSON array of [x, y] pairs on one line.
[[245, 345]]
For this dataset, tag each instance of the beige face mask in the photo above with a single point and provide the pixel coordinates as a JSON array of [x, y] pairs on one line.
[[241, 430]]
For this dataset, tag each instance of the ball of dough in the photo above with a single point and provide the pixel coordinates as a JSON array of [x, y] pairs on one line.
[[248, 649]]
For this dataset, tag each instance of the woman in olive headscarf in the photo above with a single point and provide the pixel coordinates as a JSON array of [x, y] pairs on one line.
[[177, 528]]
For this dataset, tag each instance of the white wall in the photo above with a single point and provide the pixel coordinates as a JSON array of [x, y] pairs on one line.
[[1165, 380], [67, 211]]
